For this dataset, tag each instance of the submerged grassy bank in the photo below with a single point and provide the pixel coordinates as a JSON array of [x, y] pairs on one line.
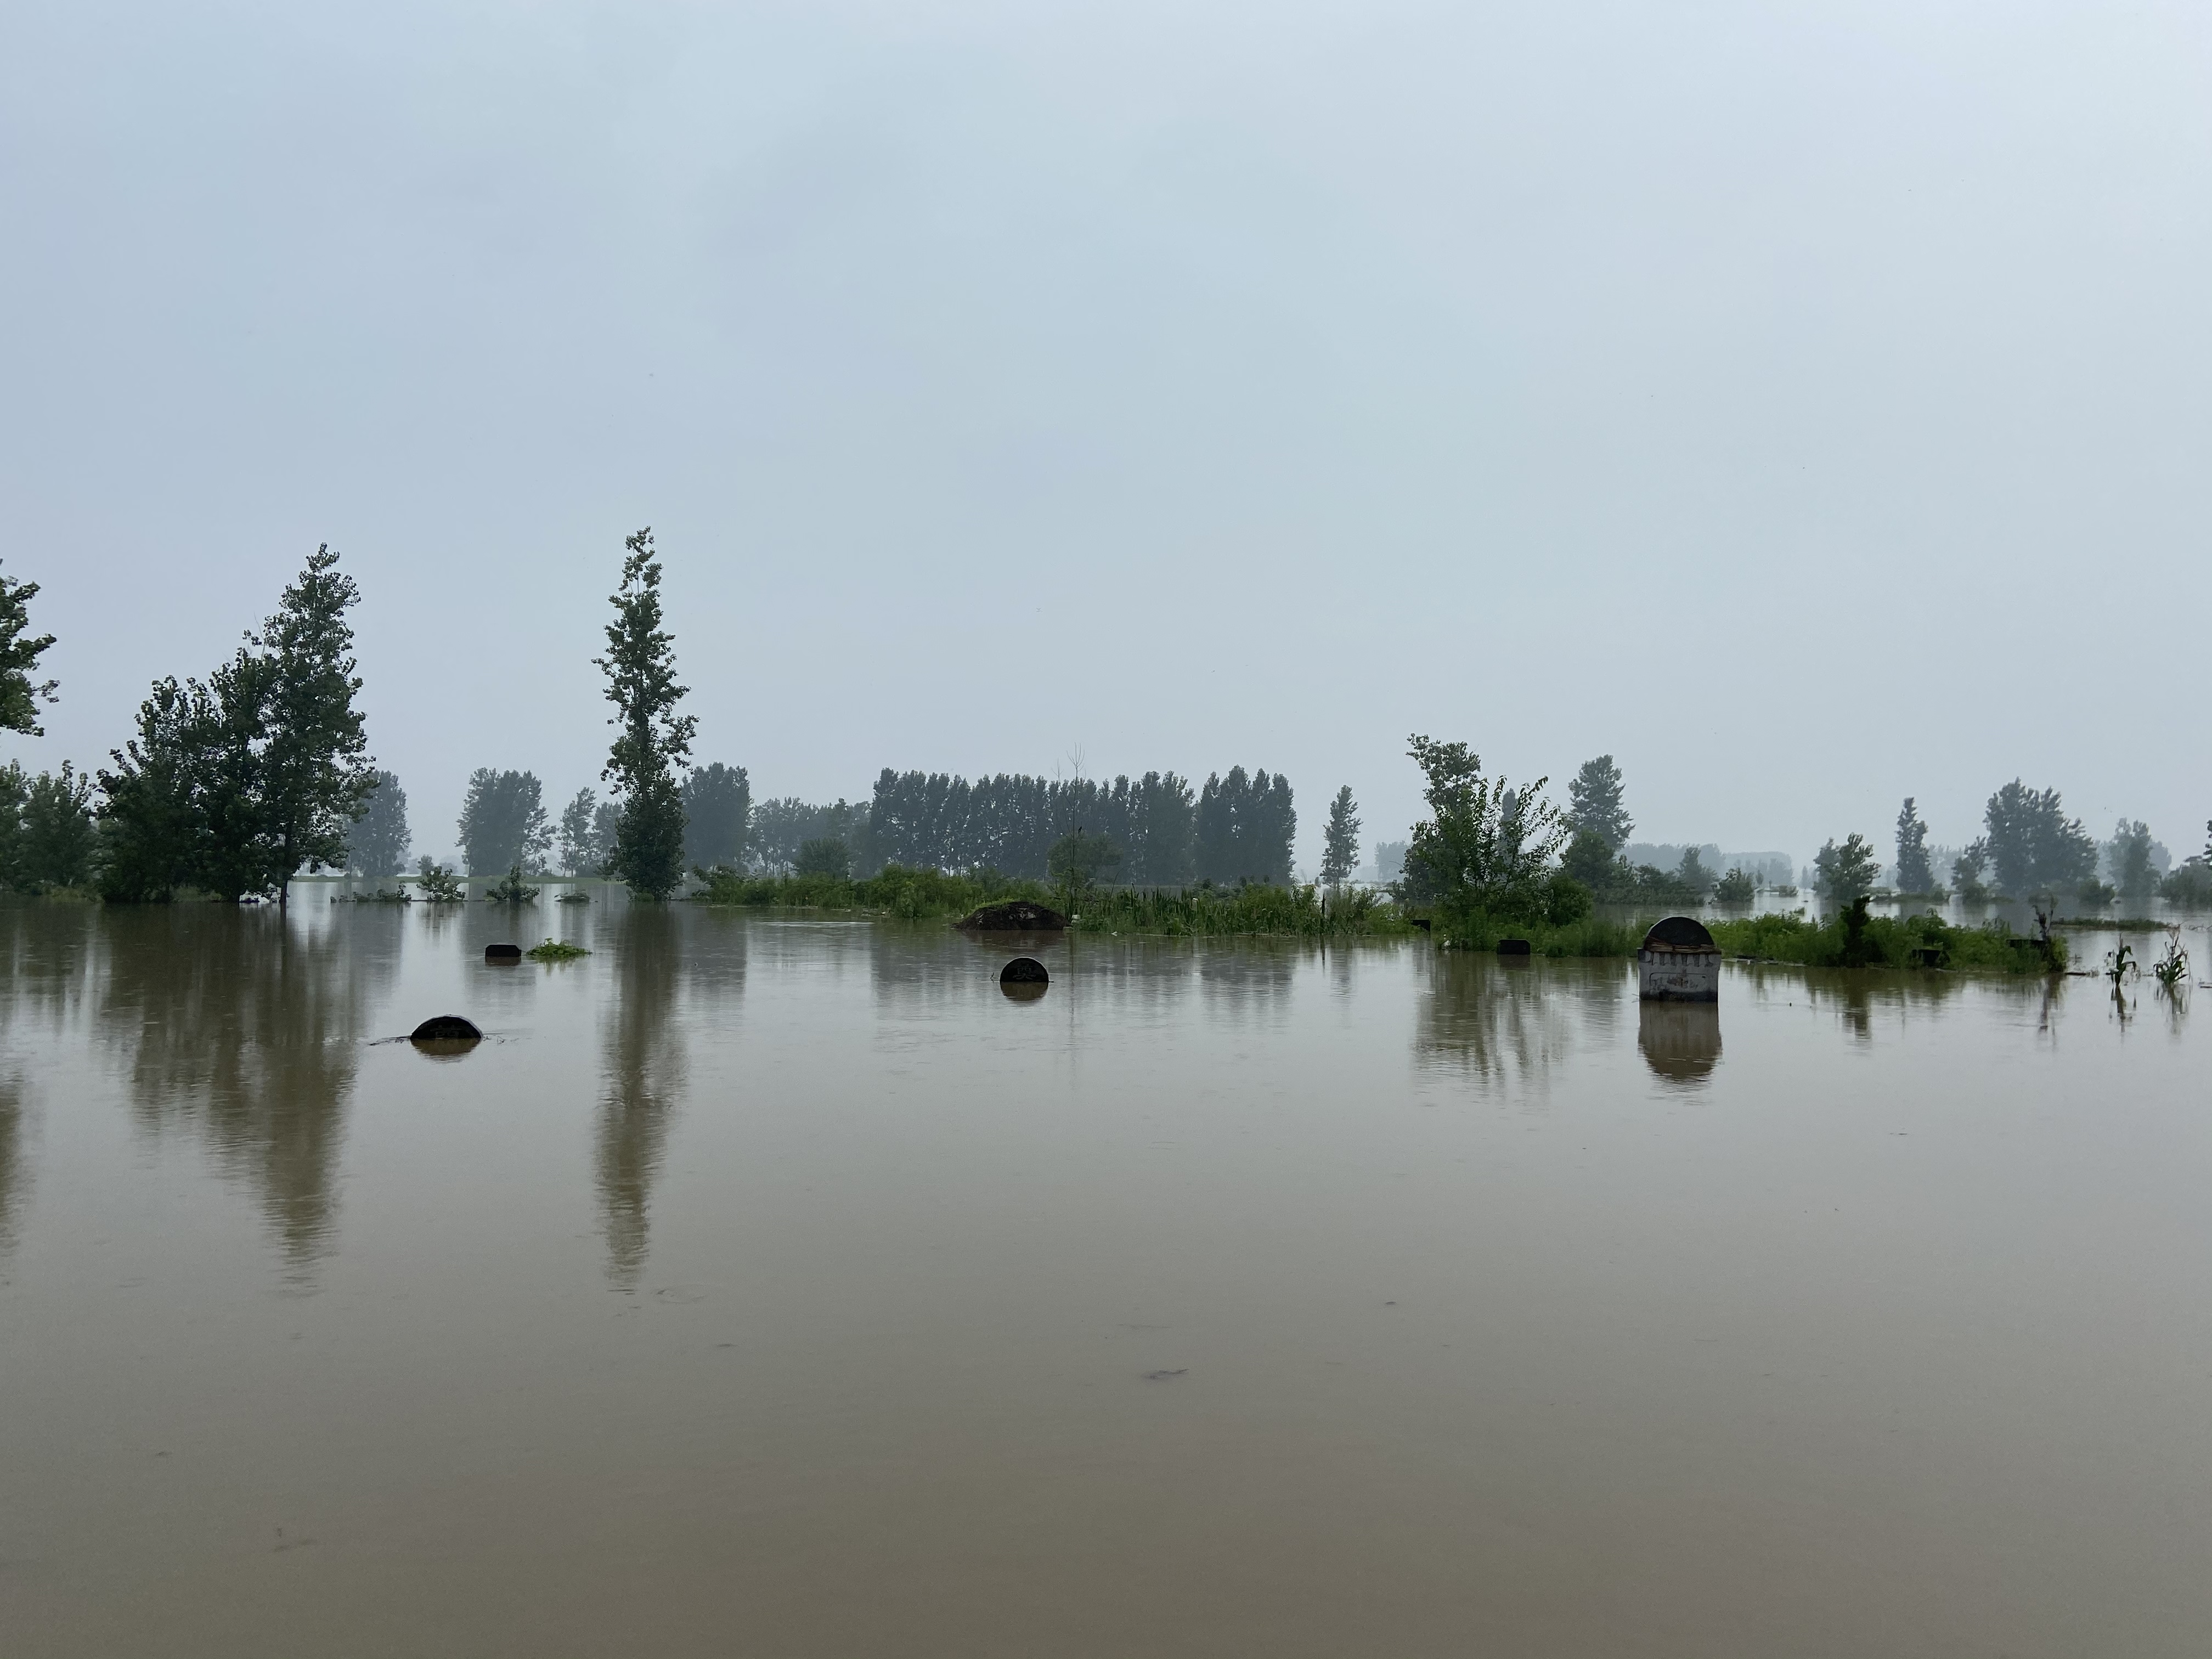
[[1308, 912], [922, 894], [1889, 942]]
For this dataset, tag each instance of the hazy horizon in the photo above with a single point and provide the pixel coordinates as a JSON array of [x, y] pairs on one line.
[[1807, 411]]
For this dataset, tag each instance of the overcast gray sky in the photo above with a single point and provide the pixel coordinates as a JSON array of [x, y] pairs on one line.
[[1809, 404]]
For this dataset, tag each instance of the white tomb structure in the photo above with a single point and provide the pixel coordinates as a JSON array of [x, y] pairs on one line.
[[1679, 962]]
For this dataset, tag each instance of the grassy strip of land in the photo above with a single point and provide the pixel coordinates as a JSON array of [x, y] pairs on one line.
[[1199, 912], [1889, 942], [918, 895], [910, 895], [1585, 936], [1882, 942], [1921, 941]]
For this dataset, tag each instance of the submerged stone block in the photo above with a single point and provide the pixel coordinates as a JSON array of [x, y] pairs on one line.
[[1679, 962]]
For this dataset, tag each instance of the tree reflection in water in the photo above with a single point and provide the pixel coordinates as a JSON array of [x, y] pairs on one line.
[[1497, 1020], [243, 1026], [644, 1079], [48, 957], [14, 1172]]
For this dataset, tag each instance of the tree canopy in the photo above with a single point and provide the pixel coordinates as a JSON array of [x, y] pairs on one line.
[[1341, 839], [1475, 851], [1594, 803], [20, 651]]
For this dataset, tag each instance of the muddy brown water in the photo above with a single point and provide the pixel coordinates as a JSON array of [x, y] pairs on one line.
[[782, 1287]]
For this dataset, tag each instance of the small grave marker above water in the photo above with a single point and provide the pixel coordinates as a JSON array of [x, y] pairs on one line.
[[1024, 970], [446, 1028], [502, 953], [1513, 947], [1679, 962]]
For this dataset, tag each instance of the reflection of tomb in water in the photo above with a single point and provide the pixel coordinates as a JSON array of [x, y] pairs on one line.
[[1680, 1041]]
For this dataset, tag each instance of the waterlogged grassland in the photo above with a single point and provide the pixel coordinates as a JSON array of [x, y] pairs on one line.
[[1308, 912], [1195, 911], [1890, 942], [908, 895]]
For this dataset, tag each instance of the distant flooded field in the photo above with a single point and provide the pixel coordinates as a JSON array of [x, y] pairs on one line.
[[778, 1287]]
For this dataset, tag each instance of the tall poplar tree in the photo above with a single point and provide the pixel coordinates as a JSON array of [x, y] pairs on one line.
[[1341, 842], [653, 739], [1913, 873]]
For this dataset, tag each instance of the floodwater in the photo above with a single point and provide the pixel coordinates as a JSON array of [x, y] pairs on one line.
[[783, 1288]]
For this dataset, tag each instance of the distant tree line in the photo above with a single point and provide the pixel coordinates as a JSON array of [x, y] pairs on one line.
[[1239, 827], [233, 784]]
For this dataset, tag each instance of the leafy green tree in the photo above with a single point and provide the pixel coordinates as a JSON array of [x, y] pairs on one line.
[[653, 739], [718, 804], [2128, 854], [377, 845], [1389, 861], [1848, 872], [54, 847], [14, 784], [2190, 882], [1245, 827], [1913, 875], [581, 851], [438, 882], [1968, 869], [1592, 861], [1341, 840], [502, 823], [1691, 875], [237, 855], [235, 785], [1471, 853], [1080, 858], [20, 696], [780, 827], [2034, 845], [47, 836], [1736, 887], [316, 775], [1159, 817], [152, 821], [823, 856], [1594, 803], [1077, 862]]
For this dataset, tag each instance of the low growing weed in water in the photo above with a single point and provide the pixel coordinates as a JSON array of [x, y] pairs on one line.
[[555, 949]]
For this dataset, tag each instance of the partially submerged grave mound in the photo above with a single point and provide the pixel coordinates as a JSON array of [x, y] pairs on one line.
[[446, 1028], [1014, 916]]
